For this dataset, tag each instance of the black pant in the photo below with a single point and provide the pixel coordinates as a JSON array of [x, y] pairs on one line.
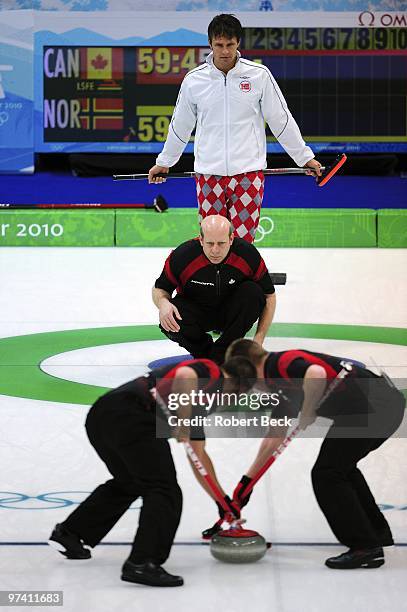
[[234, 318], [123, 435], [340, 488]]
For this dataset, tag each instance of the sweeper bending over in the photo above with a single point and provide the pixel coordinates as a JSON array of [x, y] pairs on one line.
[[128, 429], [366, 410]]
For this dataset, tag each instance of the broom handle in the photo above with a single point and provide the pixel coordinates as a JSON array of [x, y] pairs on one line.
[[269, 462], [346, 369], [327, 172], [267, 171], [200, 467], [209, 480]]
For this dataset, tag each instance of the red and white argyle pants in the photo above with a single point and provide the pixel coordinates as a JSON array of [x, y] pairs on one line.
[[237, 197]]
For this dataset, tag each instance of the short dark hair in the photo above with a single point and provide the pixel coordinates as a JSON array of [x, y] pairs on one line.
[[225, 25], [242, 371]]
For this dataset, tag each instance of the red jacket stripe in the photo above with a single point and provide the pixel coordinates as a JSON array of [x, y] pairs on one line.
[[196, 264], [288, 357], [213, 369], [168, 271], [261, 270], [240, 264]]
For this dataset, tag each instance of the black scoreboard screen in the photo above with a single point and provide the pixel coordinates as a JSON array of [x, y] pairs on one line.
[[346, 88]]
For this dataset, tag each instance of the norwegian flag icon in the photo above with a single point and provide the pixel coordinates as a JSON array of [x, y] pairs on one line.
[[245, 86]]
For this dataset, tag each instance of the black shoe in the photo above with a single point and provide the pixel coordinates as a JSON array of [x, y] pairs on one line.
[[366, 558], [68, 544], [208, 533], [150, 574]]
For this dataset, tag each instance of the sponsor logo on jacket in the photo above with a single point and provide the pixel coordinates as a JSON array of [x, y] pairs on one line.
[[202, 283]]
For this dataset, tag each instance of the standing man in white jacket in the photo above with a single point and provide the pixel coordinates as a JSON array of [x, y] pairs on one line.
[[228, 99]]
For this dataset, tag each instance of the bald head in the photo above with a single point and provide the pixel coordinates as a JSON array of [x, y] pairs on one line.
[[216, 224], [216, 237]]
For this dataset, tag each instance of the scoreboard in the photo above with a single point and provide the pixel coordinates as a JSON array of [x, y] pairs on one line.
[[346, 88], [326, 39]]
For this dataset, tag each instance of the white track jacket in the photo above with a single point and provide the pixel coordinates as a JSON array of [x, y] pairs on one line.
[[229, 112]]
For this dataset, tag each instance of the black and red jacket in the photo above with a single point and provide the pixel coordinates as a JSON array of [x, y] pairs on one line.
[[286, 370], [139, 394], [140, 389], [210, 377], [292, 364], [210, 380], [188, 271]]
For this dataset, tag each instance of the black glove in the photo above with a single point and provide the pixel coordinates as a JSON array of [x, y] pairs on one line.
[[208, 533], [233, 507], [240, 487]]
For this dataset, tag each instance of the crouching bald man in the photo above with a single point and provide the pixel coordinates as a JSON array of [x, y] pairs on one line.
[[222, 284]]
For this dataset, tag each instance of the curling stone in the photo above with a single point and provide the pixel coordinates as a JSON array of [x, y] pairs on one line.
[[238, 546]]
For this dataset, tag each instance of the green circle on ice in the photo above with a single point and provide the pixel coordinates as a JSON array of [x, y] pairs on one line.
[[21, 356]]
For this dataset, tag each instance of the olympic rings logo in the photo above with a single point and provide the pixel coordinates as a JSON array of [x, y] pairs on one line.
[[265, 227], [61, 499], [4, 117], [47, 501]]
